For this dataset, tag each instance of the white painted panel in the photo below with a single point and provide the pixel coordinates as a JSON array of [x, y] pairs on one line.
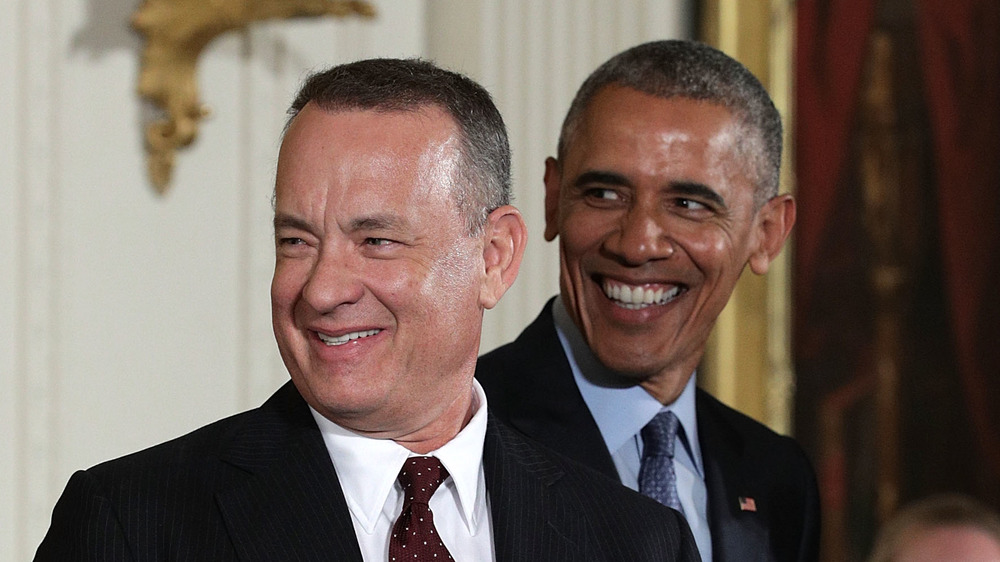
[[38, 282], [11, 259]]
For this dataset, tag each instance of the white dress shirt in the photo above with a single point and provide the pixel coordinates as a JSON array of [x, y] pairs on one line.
[[367, 469], [622, 409]]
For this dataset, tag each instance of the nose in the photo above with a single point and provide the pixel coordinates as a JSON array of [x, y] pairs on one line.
[[333, 282], [640, 237]]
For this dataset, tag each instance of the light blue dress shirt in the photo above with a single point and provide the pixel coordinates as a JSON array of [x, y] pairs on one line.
[[622, 408]]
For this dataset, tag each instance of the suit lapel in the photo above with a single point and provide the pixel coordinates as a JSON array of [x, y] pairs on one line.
[[529, 523], [564, 424], [739, 532], [291, 506]]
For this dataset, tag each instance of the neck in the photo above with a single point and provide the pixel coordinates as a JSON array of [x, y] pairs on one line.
[[667, 386], [444, 428]]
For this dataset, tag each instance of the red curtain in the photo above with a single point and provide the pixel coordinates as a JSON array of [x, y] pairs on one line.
[[832, 40], [960, 53], [960, 61]]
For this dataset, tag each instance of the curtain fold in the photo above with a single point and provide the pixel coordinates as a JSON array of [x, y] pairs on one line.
[[831, 43], [960, 51]]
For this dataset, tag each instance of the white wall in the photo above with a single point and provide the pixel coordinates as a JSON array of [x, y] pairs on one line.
[[127, 318]]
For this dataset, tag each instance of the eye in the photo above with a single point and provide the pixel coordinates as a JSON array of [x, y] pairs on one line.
[[691, 204], [372, 241], [291, 241], [602, 193]]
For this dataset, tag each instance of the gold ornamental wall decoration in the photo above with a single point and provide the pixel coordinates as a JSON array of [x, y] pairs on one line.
[[176, 33]]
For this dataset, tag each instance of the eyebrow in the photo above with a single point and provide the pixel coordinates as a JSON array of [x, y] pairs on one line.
[[700, 190], [596, 176], [689, 188], [372, 222], [289, 221], [377, 222]]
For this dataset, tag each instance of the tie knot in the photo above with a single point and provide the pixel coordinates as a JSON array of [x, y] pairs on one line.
[[420, 478], [659, 435]]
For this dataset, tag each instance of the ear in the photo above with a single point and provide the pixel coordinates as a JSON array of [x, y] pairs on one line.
[[505, 238], [774, 221], [553, 178]]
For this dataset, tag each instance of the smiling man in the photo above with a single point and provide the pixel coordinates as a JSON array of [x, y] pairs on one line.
[[664, 190], [393, 235]]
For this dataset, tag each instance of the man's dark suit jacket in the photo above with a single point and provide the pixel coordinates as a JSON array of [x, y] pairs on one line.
[[261, 486], [529, 384]]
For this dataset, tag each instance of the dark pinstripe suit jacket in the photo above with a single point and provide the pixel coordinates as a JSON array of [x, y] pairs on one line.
[[260, 486], [530, 386]]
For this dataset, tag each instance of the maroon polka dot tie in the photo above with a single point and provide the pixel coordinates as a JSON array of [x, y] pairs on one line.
[[414, 536]]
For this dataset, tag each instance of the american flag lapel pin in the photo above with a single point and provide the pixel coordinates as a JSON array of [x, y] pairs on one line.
[[747, 504]]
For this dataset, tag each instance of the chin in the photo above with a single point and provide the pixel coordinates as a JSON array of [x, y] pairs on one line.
[[633, 373], [627, 370], [336, 395]]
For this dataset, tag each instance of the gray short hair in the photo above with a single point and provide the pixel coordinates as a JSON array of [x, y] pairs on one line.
[[409, 85]]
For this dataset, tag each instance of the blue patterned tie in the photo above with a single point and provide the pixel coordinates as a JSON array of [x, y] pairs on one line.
[[656, 473]]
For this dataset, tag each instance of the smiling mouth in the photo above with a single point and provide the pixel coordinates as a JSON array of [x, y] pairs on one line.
[[341, 340], [634, 297]]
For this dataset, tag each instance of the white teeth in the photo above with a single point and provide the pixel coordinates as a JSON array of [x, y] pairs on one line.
[[341, 340], [638, 297], [647, 298]]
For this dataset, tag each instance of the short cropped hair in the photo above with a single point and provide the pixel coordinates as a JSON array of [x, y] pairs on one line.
[[687, 69], [942, 510], [390, 85]]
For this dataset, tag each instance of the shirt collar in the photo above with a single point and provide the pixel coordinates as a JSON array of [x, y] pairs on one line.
[[620, 407], [367, 468]]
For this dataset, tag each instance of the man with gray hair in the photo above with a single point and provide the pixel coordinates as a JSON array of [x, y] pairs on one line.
[[393, 234], [664, 189]]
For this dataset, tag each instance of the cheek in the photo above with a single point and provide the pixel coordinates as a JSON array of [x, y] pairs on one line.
[[279, 293], [582, 234], [420, 290], [455, 280], [711, 249], [285, 286]]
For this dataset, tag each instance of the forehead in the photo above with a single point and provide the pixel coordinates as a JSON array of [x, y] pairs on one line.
[[373, 150], [636, 134], [316, 132]]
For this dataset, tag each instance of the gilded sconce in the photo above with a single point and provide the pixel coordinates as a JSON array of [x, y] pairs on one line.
[[176, 32]]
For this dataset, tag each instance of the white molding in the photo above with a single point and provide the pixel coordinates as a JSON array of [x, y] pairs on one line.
[[11, 280], [37, 286]]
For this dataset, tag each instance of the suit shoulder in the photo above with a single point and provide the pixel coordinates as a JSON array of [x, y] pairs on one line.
[[623, 524], [743, 455], [491, 366], [629, 517], [121, 500], [510, 373], [717, 420]]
